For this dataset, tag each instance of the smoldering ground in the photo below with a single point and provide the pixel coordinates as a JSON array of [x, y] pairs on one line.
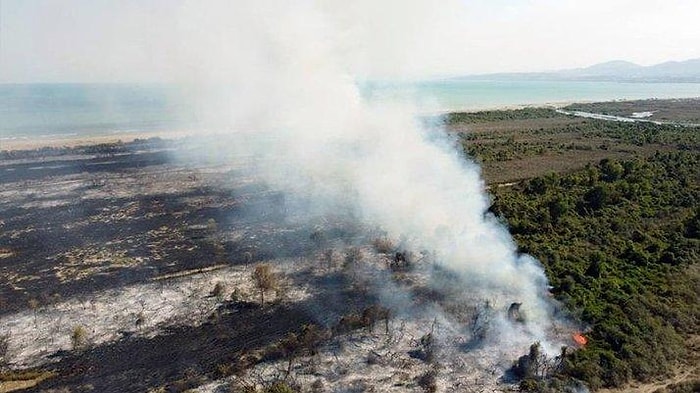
[[284, 77], [277, 83]]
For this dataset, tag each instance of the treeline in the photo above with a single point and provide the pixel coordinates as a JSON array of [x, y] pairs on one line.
[[499, 115], [620, 242]]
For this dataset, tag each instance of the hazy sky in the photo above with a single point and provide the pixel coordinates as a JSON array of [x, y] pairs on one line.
[[141, 40]]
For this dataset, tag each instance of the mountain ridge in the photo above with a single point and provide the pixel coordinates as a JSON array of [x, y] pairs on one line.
[[614, 71]]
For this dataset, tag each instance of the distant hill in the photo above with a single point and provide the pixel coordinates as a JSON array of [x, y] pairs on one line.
[[617, 70]]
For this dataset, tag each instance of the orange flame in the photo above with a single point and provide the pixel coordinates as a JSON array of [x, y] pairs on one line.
[[580, 339]]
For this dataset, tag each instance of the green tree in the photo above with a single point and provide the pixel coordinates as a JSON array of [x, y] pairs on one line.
[[611, 170]]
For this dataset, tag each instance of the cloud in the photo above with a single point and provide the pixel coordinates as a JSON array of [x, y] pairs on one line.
[[83, 40]]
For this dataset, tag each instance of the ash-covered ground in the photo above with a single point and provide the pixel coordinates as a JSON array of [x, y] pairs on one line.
[[110, 258]]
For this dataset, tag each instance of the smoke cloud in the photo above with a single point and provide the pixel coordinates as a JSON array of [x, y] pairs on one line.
[[287, 73]]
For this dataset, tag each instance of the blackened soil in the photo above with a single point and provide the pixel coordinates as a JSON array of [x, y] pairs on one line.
[[186, 356], [80, 223], [33, 170]]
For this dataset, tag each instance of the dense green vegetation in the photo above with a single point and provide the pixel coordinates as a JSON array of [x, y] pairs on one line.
[[641, 133], [620, 242], [496, 115], [612, 210]]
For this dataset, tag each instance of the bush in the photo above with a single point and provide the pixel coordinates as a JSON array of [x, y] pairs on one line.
[[383, 245], [533, 365], [353, 255], [317, 386], [79, 337], [529, 385], [280, 387], [428, 381], [218, 291]]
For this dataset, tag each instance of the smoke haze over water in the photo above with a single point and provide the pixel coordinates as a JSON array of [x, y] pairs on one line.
[[287, 72]]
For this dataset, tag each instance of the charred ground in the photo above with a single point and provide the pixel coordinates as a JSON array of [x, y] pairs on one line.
[[76, 222]]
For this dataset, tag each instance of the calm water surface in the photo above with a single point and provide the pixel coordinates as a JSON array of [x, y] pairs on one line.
[[42, 110]]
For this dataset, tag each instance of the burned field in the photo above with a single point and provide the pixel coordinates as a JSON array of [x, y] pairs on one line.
[[77, 227], [71, 226], [127, 268], [130, 270]]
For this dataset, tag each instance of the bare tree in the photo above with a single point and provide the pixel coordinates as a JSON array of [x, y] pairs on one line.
[[265, 279], [289, 347], [353, 256], [311, 338], [534, 365], [372, 314]]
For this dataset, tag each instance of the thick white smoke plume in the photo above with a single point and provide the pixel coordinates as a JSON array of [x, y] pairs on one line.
[[288, 72]]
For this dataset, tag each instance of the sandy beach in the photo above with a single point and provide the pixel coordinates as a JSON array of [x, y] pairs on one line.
[[73, 140], [30, 143]]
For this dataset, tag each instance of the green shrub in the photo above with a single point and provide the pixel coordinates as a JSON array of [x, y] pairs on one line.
[[624, 260]]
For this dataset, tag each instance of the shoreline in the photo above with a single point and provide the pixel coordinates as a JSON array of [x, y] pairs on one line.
[[75, 140], [510, 107], [20, 143], [548, 105]]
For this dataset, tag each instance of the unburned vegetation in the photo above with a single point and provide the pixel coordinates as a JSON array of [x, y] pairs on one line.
[[620, 246], [612, 214], [684, 110], [536, 141]]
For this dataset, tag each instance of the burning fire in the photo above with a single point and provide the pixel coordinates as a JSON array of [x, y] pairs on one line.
[[580, 339]]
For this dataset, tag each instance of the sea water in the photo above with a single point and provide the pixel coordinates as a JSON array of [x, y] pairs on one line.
[[468, 94], [64, 110]]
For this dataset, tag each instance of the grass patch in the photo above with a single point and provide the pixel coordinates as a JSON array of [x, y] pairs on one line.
[[16, 380], [516, 145]]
